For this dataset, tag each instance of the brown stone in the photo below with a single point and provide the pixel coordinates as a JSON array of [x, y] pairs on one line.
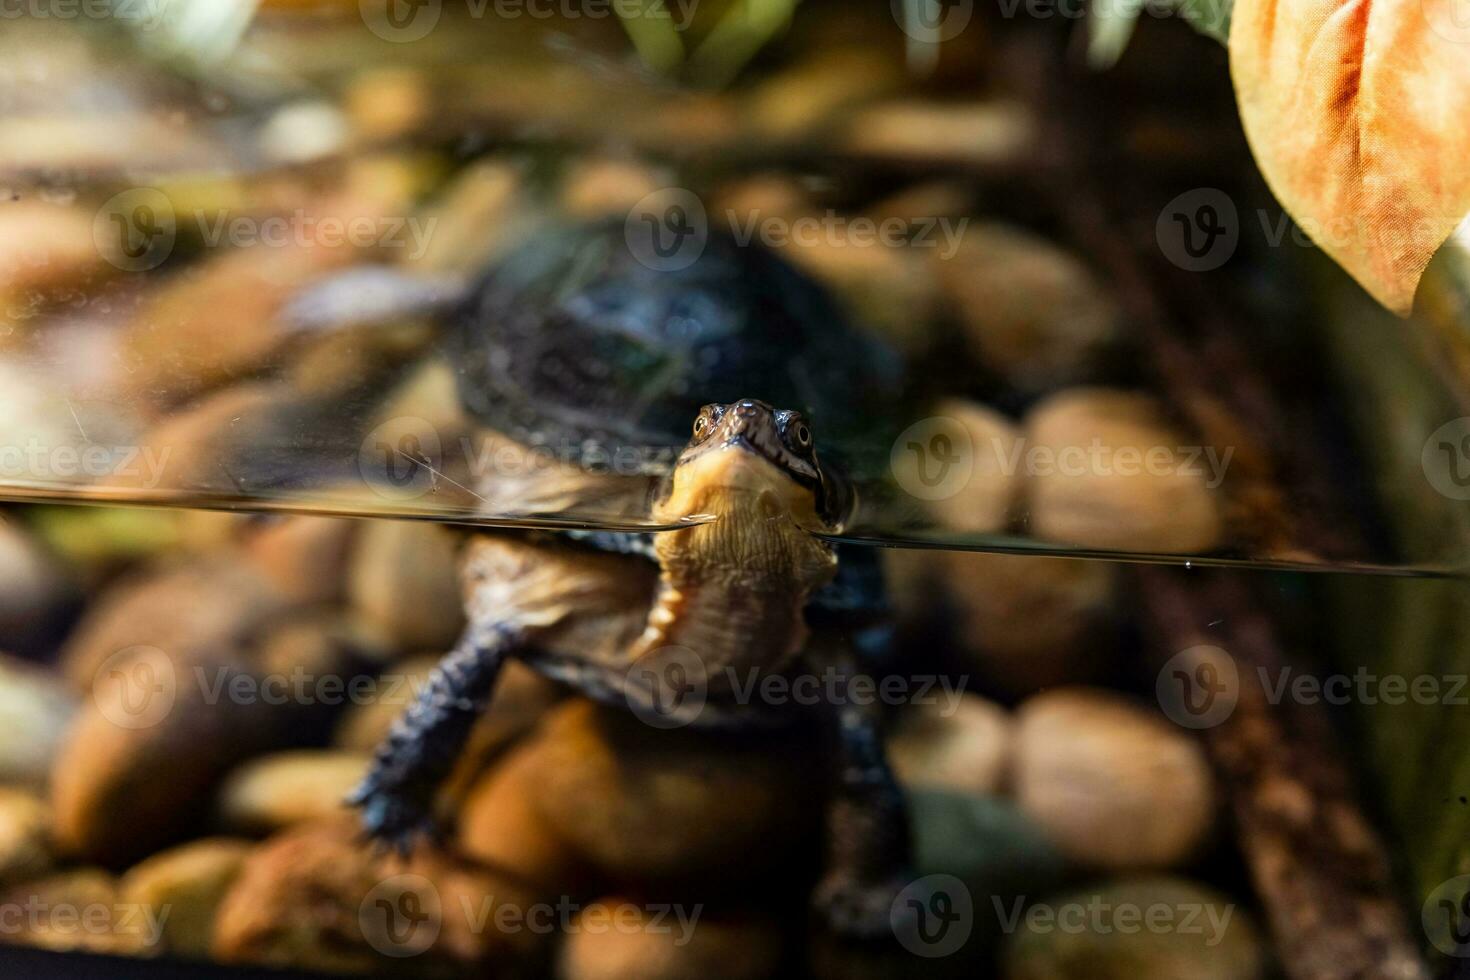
[[317, 897], [963, 746], [77, 911], [927, 201], [213, 446], [1112, 784], [25, 837], [384, 103], [404, 580], [355, 361], [889, 288], [619, 939], [140, 762], [1020, 623], [970, 133], [46, 251], [305, 558], [183, 887], [203, 607], [275, 791], [483, 210], [791, 103], [501, 827], [644, 803], [598, 187], [1122, 478], [1191, 931], [761, 197], [1031, 312], [987, 501], [218, 320], [314, 646]]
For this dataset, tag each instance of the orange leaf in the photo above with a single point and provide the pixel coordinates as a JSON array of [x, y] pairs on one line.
[[1358, 113]]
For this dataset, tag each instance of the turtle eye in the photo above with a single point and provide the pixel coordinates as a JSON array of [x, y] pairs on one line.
[[701, 425], [801, 436]]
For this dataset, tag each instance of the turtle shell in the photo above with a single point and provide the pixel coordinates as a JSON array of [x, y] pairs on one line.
[[572, 343]]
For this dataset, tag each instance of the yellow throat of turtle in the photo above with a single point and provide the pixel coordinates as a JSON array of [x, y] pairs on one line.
[[734, 586]]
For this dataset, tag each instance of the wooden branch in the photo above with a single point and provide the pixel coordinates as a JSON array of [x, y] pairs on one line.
[[1318, 865]]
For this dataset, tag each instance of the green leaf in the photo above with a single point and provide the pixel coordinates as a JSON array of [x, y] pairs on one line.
[[651, 29], [1209, 17], [1110, 23]]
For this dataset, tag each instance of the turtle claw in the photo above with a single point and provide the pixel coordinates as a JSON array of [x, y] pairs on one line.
[[392, 821], [858, 908]]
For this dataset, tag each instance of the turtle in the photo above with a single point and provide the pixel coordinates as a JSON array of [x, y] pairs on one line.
[[576, 339], [664, 623]]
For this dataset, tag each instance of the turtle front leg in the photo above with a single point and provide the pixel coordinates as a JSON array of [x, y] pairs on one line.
[[397, 795], [868, 846]]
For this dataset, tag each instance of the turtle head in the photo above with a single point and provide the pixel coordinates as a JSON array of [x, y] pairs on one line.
[[749, 459], [734, 587]]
